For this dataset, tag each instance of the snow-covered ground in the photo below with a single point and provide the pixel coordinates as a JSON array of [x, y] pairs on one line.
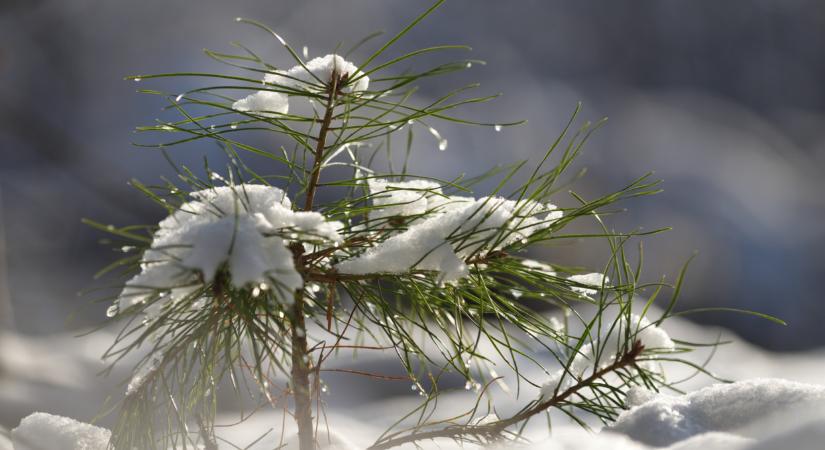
[[781, 405]]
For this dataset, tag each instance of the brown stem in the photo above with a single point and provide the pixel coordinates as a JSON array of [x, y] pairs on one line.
[[300, 354], [332, 93], [493, 430]]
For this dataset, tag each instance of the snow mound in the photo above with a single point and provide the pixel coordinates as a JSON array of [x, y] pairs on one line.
[[463, 228], [263, 103], [41, 431], [665, 420], [321, 68]]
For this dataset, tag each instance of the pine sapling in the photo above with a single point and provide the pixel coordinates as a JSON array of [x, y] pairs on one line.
[[255, 279]]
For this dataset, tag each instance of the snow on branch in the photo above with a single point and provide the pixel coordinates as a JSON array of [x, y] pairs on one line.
[[459, 228], [319, 71], [245, 227]]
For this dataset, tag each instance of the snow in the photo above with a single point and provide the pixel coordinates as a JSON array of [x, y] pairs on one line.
[[665, 420], [142, 373], [245, 226], [539, 266], [57, 373], [597, 280], [461, 228], [263, 103], [404, 198], [41, 431], [321, 68]]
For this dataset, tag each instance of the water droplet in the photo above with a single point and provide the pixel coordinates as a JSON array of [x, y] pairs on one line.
[[211, 127], [264, 286], [233, 126], [256, 292], [414, 387], [127, 248], [442, 145], [280, 314], [324, 388], [306, 52], [315, 287], [137, 79], [497, 127], [411, 121], [469, 64], [468, 385], [179, 97], [516, 293], [112, 311], [238, 19], [110, 228]]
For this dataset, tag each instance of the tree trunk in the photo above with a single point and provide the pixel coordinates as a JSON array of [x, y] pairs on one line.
[[300, 377]]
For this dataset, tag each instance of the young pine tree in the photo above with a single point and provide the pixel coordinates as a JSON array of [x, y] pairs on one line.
[[251, 283]]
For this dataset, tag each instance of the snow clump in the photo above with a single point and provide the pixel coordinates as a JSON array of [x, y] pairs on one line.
[[462, 227], [263, 103], [597, 280], [307, 77], [247, 227], [41, 431], [405, 198]]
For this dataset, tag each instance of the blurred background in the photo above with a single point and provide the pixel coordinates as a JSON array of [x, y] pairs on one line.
[[725, 101]]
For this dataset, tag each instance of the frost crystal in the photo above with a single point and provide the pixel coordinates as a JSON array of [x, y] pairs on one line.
[[263, 103], [40, 431], [461, 228], [652, 338], [242, 226], [320, 68]]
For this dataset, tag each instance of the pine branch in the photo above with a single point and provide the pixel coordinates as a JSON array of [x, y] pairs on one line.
[[494, 430]]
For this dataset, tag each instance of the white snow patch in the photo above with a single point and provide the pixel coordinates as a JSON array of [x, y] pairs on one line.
[[42, 431], [539, 266], [444, 242], [404, 198], [263, 103], [241, 225], [665, 420], [321, 68], [597, 280]]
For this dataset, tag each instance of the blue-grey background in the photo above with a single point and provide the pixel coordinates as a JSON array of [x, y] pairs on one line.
[[724, 100]]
